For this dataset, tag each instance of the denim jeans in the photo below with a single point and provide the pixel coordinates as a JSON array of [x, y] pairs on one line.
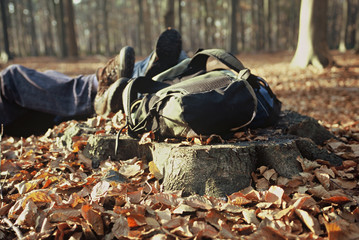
[[23, 89]]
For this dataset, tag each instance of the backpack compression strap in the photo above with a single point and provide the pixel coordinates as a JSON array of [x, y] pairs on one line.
[[199, 60]]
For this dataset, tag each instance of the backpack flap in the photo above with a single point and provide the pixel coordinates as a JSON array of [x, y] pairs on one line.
[[213, 103]]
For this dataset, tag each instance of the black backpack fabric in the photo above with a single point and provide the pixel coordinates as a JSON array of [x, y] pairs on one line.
[[212, 93]]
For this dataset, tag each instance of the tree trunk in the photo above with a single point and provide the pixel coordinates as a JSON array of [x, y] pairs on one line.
[[59, 13], [312, 45], [357, 32], [105, 27], [140, 28], [243, 38], [69, 21], [343, 29], [3, 7], [34, 46], [233, 46], [48, 37], [267, 25], [180, 22], [254, 27], [206, 26], [170, 14]]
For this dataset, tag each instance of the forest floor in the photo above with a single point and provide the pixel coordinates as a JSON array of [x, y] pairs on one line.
[[52, 193]]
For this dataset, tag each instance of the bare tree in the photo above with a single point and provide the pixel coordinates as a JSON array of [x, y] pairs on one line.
[[69, 20], [34, 46], [312, 45], [5, 27], [170, 14], [343, 29], [233, 27]]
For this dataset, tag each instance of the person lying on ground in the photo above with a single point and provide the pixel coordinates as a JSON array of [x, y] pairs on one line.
[[32, 101]]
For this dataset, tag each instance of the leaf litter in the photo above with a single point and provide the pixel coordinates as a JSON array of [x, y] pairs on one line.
[[48, 192]]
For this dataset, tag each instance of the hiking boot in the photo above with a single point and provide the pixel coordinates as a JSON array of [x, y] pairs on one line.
[[111, 81], [168, 50]]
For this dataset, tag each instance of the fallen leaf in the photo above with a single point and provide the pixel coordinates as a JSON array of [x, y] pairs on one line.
[[28, 215], [268, 174], [323, 178], [38, 196], [311, 222], [130, 170], [93, 217], [136, 220], [319, 191], [345, 184], [274, 195], [250, 216], [120, 227], [154, 170], [337, 200], [183, 208], [100, 190], [62, 215]]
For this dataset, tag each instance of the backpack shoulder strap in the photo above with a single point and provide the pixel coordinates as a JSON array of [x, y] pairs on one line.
[[199, 60], [136, 87]]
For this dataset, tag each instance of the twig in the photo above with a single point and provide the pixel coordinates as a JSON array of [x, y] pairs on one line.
[[16, 229], [346, 192]]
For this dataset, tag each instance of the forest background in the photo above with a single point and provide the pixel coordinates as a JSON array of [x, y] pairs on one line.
[[82, 27]]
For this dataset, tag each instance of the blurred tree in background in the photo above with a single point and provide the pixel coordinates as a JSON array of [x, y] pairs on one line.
[[87, 27]]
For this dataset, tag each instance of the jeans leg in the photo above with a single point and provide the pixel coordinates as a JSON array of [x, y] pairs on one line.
[[23, 89]]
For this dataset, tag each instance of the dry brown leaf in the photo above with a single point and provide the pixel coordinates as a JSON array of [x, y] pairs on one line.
[[337, 200], [319, 191], [183, 208], [130, 170], [323, 178], [268, 233], [28, 215], [135, 196], [152, 222], [349, 163], [243, 229], [203, 229], [284, 212], [27, 186], [225, 231], [268, 174], [164, 216], [274, 195], [307, 165], [120, 227], [136, 220], [262, 184], [62, 215], [311, 222], [38, 196], [250, 216], [345, 184], [334, 231], [93, 217], [197, 201], [100, 190], [240, 201]]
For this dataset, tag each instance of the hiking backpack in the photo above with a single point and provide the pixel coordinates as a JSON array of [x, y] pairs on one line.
[[212, 93]]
